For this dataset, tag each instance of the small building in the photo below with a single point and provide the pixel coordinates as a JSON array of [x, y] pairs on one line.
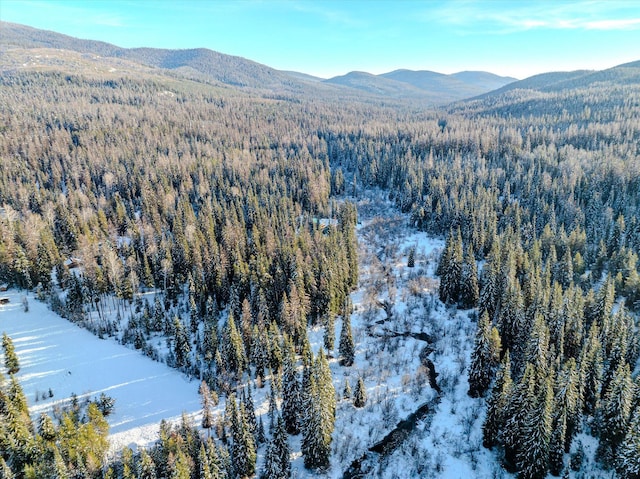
[[4, 287], [4, 300]]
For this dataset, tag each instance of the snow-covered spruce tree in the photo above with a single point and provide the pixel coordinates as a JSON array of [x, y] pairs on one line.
[[218, 459], [563, 273], [489, 292], [591, 370], [273, 405], [10, 357], [469, 293], [346, 391], [614, 414], [5, 470], [243, 448], [291, 400], [556, 444], [261, 437], [271, 468], [618, 343], [259, 352], [360, 394], [318, 415], [328, 337], [568, 400], [180, 469], [277, 460], [252, 422], [445, 256], [451, 268], [497, 404], [60, 468], [146, 469], [536, 350], [234, 355], [21, 267], [347, 348], [205, 398], [46, 428], [181, 348], [535, 437], [316, 447], [512, 325], [485, 357], [204, 471], [327, 389], [521, 403], [628, 457], [274, 337]]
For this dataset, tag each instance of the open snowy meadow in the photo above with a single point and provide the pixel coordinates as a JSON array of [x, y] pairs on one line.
[[58, 359]]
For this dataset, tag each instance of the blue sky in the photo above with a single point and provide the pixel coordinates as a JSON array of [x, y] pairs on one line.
[[330, 37]]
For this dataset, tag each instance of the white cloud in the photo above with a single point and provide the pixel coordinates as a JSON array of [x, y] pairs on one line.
[[509, 17], [623, 24]]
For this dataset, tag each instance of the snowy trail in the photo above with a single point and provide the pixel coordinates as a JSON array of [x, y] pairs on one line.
[[57, 355]]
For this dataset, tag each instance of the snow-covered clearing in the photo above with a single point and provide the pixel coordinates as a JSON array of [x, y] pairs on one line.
[[58, 356]]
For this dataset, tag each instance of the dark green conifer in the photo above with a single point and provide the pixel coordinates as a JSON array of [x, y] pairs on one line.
[[469, 293], [360, 394], [10, 357], [277, 460], [347, 348], [243, 448], [484, 358], [346, 391], [518, 412], [146, 467], [628, 456], [614, 414], [291, 396], [205, 398], [181, 348], [497, 404], [451, 267], [234, 354], [535, 436], [411, 259], [318, 416]]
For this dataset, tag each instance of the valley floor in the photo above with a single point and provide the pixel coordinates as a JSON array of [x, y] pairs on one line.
[[57, 356]]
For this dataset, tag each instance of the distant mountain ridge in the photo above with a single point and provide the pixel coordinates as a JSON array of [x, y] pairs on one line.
[[433, 87], [437, 88], [450, 87], [416, 87], [423, 86]]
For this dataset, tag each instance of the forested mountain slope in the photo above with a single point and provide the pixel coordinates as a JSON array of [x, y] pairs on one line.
[[423, 86], [233, 207], [227, 69]]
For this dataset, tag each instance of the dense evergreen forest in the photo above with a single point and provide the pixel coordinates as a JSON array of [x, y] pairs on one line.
[[233, 207]]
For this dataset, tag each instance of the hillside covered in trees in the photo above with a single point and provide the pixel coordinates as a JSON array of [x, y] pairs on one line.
[[236, 209]]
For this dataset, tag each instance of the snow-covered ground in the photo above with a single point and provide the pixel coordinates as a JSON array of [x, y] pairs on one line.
[[56, 355]]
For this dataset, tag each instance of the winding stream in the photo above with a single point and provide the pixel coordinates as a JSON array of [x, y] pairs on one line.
[[364, 464]]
